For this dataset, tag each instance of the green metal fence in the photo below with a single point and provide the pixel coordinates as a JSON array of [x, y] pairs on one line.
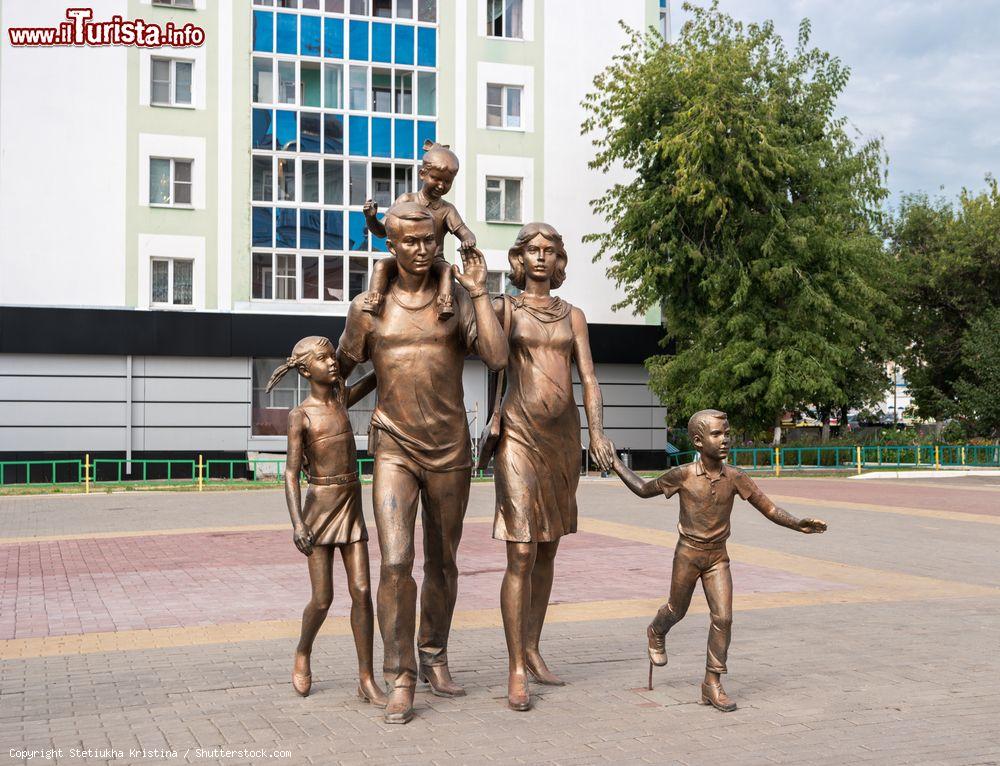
[[103, 472]]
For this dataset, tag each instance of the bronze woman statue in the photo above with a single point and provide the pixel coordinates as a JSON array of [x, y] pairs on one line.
[[538, 456], [321, 442]]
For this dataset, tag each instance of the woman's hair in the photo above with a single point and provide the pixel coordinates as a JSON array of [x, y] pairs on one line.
[[516, 253], [303, 350]]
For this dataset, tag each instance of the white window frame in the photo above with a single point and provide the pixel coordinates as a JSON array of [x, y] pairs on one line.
[[525, 9], [503, 197], [504, 114], [187, 5], [172, 82], [173, 182], [169, 304]]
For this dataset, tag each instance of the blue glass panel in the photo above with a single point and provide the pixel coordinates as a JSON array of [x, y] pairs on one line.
[[425, 131], [309, 39], [263, 31], [359, 40], [263, 129], [333, 138], [285, 131], [357, 233], [262, 217], [378, 243], [333, 232], [381, 137], [358, 138], [381, 42], [404, 139], [309, 229], [333, 40], [404, 44], [287, 37], [285, 227], [309, 131], [427, 46]]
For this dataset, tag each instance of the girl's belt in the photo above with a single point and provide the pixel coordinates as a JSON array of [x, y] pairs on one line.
[[344, 478]]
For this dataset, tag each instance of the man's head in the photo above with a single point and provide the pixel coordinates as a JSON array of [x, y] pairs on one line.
[[409, 229], [709, 432], [438, 170]]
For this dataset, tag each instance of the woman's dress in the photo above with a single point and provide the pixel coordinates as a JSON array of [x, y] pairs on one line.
[[538, 459]]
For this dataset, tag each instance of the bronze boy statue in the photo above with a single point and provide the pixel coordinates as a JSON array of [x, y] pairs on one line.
[[438, 171], [707, 489], [321, 442]]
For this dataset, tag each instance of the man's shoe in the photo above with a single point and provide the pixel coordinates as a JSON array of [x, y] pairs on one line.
[[439, 677], [715, 695], [399, 708], [657, 646]]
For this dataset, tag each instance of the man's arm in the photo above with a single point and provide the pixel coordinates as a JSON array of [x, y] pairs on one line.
[[783, 518], [638, 486], [351, 350], [491, 341], [360, 389]]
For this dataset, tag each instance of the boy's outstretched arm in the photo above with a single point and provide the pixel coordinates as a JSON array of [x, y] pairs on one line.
[[638, 486], [766, 506]]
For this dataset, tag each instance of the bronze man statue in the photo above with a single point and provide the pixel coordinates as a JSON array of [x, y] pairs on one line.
[[420, 438], [537, 464], [707, 488], [321, 441]]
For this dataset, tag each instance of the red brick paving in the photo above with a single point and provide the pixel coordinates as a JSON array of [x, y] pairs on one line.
[[113, 584], [888, 492]]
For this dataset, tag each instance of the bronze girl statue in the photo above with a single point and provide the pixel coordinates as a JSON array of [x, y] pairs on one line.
[[321, 442], [538, 456]]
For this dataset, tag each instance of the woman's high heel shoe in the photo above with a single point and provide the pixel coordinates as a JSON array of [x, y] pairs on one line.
[[302, 683], [518, 697], [378, 700]]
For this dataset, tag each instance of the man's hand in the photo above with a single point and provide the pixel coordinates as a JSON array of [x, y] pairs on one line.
[[370, 209], [812, 526], [473, 274], [602, 451], [303, 538]]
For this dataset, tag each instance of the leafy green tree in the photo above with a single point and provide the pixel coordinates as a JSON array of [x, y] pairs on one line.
[[752, 218], [979, 389], [949, 259]]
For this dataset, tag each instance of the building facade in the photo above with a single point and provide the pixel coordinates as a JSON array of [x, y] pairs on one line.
[[172, 219]]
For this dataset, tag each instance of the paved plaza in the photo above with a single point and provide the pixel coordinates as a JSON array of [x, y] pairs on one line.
[[166, 622]]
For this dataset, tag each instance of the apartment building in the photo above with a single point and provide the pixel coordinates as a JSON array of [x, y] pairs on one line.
[[172, 219]]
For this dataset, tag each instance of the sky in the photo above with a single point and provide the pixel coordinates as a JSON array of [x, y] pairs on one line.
[[925, 76]]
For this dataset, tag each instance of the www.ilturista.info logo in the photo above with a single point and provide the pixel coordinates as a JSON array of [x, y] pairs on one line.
[[81, 31]]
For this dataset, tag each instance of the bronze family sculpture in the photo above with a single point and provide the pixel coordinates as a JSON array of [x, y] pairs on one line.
[[321, 441], [417, 332], [537, 466], [707, 489], [420, 438]]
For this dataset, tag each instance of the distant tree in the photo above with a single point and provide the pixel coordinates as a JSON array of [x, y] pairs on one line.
[[752, 218], [949, 259]]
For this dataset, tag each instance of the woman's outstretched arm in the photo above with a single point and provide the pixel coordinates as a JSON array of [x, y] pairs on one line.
[[601, 448]]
